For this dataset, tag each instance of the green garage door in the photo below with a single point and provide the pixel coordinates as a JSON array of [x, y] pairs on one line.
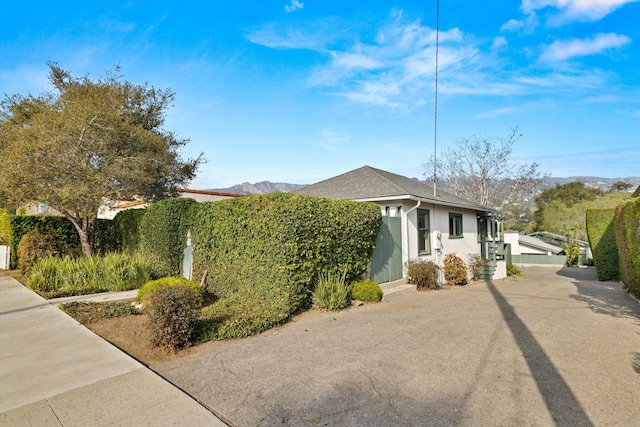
[[386, 264]]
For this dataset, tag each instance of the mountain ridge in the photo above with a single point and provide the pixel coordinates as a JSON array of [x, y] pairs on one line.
[[266, 187]]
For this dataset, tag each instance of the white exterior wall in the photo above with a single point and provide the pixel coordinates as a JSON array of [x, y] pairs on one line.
[[439, 221]]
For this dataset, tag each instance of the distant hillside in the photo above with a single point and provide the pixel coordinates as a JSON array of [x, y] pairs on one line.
[[263, 187], [591, 181]]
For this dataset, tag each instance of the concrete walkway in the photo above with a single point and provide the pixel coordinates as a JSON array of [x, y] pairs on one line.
[[55, 372], [557, 348]]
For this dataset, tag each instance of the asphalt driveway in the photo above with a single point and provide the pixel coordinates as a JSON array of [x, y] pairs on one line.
[[554, 348]]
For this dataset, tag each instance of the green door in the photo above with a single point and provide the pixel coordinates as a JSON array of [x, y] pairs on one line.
[[386, 264]]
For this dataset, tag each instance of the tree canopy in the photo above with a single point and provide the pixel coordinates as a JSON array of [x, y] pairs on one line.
[[562, 209], [482, 170], [87, 143]]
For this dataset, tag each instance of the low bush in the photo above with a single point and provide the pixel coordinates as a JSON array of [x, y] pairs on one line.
[[455, 270], [512, 270], [153, 285], [34, 246], [173, 315], [365, 290], [57, 277], [331, 293], [423, 274], [475, 265], [572, 252]]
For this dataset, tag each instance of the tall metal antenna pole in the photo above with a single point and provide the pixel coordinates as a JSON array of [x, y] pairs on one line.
[[435, 118]]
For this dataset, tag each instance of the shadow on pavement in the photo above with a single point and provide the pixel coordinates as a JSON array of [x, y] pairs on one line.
[[636, 362], [601, 297], [558, 397]]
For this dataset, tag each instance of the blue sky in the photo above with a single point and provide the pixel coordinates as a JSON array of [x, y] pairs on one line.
[[302, 90]]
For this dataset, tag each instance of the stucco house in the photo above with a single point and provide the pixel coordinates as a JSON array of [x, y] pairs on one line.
[[417, 223], [111, 210]]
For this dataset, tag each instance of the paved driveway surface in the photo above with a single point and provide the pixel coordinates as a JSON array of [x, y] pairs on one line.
[[555, 348]]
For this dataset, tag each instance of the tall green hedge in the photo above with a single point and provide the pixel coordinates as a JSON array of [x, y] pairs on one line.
[[127, 225], [627, 231], [163, 234], [271, 248], [108, 238], [60, 228], [602, 239]]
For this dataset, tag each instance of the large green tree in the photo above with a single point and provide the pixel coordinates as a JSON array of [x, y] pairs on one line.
[[562, 209], [89, 142]]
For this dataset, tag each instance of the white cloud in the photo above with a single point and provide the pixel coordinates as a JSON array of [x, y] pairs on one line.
[[293, 6], [565, 49], [287, 37], [512, 25], [574, 10], [498, 43]]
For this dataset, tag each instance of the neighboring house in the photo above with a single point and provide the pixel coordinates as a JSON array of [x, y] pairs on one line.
[[527, 249], [109, 212], [417, 223]]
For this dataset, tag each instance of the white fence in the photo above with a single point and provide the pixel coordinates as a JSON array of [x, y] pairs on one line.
[[5, 257]]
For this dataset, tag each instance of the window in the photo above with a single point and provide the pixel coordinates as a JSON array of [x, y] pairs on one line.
[[424, 235], [455, 225]]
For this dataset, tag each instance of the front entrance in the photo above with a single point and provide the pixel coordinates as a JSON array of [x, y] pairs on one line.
[[386, 264]]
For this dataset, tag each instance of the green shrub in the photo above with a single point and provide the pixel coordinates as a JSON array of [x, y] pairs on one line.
[[127, 224], [173, 315], [331, 292], [262, 253], [627, 232], [5, 228], [163, 235], [572, 252], [602, 239], [56, 277], [423, 274], [365, 290], [455, 270], [153, 285], [513, 270], [33, 247], [61, 230]]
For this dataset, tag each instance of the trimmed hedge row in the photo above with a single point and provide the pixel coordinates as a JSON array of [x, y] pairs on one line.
[[270, 249], [602, 239], [127, 224], [163, 234], [627, 233], [64, 234]]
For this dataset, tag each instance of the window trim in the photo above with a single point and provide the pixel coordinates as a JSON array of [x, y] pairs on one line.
[[453, 216], [427, 241]]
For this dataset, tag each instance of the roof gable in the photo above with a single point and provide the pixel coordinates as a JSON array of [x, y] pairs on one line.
[[367, 183]]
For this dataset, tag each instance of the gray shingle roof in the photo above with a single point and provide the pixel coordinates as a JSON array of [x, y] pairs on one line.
[[367, 183]]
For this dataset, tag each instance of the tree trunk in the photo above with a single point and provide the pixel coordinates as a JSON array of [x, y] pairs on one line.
[[86, 230]]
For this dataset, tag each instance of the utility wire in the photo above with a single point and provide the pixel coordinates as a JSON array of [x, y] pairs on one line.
[[435, 118]]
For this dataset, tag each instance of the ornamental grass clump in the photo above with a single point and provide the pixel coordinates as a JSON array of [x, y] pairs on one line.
[[455, 270], [423, 274], [331, 292], [173, 315], [57, 277], [365, 291]]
